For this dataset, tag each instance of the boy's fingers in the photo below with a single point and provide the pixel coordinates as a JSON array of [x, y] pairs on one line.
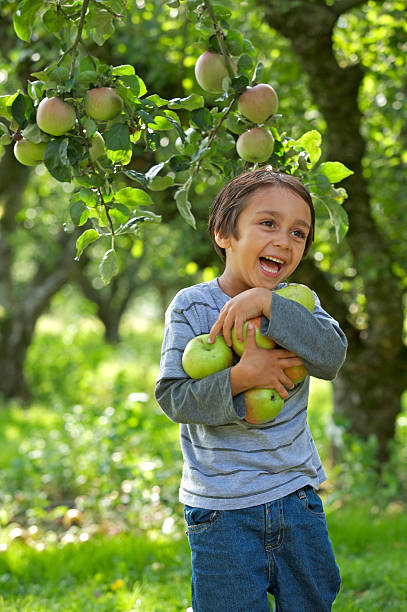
[[281, 390], [290, 362], [250, 337], [287, 382], [216, 327]]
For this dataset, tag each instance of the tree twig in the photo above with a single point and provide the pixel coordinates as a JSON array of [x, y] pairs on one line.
[[78, 36], [219, 36]]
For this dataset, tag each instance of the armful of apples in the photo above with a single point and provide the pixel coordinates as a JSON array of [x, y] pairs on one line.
[[263, 375]]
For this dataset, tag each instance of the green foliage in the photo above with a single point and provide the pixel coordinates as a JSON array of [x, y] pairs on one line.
[[206, 151]]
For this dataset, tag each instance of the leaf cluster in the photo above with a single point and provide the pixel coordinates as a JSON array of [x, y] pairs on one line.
[[202, 129]]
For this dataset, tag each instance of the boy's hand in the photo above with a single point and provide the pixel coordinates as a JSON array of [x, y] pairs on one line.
[[238, 310], [262, 368]]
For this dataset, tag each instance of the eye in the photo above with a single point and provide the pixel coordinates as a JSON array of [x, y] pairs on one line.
[[268, 223], [300, 234]]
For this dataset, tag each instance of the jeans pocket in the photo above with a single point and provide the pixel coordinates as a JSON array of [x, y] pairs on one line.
[[199, 519], [311, 502]]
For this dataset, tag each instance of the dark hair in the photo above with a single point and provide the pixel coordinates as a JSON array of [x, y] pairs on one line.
[[231, 200]]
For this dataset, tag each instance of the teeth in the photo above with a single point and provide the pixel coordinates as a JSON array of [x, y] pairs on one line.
[[276, 259]]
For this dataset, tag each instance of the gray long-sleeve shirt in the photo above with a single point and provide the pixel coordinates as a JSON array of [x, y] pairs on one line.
[[229, 463]]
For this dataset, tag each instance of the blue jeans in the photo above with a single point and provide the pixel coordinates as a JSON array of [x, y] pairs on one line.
[[281, 547]]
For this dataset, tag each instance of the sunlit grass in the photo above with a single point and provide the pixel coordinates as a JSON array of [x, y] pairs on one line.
[[94, 420]]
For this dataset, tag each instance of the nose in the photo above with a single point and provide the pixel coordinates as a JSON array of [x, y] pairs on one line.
[[280, 239]]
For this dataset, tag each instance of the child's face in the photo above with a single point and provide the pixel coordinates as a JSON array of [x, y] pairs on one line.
[[272, 230]]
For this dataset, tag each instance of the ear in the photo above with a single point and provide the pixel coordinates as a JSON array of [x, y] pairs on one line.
[[222, 241]]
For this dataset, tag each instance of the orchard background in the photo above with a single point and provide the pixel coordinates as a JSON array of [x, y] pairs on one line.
[[94, 246]]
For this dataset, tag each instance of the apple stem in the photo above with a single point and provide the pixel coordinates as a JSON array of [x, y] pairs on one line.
[[220, 37]]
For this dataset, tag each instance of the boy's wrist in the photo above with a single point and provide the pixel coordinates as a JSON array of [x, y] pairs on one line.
[[238, 380]]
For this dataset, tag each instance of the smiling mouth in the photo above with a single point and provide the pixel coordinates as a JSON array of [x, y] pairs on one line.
[[271, 265]]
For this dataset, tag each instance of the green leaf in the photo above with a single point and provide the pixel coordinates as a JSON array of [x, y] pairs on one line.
[[5, 137], [57, 161], [337, 215], [245, 63], [100, 26], [35, 89], [88, 196], [323, 184], [135, 176], [258, 73], [79, 213], [190, 103], [311, 141], [86, 77], [141, 216], [334, 171], [89, 125], [160, 183], [120, 212], [21, 108], [24, 18], [123, 70], [5, 106], [156, 100], [163, 122], [202, 118], [109, 266], [131, 196], [184, 206], [85, 240], [178, 163], [117, 137], [135, 84], [53, 21], [33, 133], [234, 42], [239, 83]]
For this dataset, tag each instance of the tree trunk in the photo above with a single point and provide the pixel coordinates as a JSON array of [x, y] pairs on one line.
[[369, 387], [21, 304]]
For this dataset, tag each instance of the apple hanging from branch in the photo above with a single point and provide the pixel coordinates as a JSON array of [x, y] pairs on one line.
[[211, 69], [102, 103], [55, 117], [255, 145], [29, 153], [258, 103]]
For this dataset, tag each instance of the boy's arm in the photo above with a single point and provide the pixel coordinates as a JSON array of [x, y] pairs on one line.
[[207, 401], [315, 337]]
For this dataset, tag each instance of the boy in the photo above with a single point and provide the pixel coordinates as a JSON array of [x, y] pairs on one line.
[[254, 521]]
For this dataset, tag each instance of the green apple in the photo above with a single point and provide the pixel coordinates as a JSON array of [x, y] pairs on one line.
[[102, 103], [29, 153], [298, 293], [258, 103], [262, 405], [261, 341], [211, 69], [255, 145], [201, 358], [55, 117]]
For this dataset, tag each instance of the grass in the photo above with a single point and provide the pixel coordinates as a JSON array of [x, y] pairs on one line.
[[152, 574], [87, 437]]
